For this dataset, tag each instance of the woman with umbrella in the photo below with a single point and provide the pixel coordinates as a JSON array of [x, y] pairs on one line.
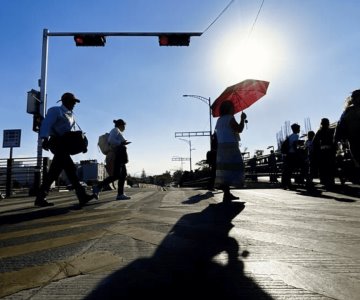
[[229, 163]]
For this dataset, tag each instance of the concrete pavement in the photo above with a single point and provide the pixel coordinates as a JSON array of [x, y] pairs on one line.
[[270, 244]]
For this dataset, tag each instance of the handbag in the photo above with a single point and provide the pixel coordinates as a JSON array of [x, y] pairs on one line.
[[74, 142], [122, 155]]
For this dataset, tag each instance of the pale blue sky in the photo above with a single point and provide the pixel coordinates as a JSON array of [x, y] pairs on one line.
[[309, 50]]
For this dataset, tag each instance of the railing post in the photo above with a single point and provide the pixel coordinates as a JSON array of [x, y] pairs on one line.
[[9, 177]]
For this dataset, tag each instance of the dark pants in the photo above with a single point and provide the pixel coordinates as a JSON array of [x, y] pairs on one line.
[[119, 171], [61, 161], [120, 176], [292, 162]]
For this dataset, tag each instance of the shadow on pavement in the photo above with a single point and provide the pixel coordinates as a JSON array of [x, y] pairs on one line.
[[198, 197], [338, 193], [35, 214], [183, 265]]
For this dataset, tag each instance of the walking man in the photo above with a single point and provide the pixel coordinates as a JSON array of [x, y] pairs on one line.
[[58, 121]]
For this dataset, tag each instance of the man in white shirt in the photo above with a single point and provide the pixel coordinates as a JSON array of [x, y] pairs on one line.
[[58, 121]]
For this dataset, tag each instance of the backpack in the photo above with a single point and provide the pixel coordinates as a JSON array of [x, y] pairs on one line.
[[103, 143], [285, 146]]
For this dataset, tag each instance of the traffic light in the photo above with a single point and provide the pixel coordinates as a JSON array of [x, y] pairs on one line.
[[90, 40], [33, 102], [174, 39], [37, 119]]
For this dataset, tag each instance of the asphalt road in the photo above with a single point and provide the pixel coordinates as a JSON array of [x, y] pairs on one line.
[[182, 243]]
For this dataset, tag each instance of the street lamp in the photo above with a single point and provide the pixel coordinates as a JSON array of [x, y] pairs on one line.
[[269, 147], [189, 142], [206, 101]]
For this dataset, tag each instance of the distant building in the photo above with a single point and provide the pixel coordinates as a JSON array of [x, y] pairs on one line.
[[88, 171]]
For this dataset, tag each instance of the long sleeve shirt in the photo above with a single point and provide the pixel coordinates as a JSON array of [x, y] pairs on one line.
[[115, 137], [58, 120]]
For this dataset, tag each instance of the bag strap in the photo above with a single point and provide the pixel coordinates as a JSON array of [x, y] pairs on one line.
[[77, 125]]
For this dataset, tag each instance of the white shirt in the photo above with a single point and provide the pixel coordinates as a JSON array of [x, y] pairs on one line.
[[115, 137], [293, 139], [58, 120]]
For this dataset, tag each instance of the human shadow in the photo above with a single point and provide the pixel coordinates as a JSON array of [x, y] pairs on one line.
[[198, 197], [338, 193], [184, 265], [18, 216]]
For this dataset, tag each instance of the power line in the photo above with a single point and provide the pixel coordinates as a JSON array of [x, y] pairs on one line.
[[256, 18], [231, 2]]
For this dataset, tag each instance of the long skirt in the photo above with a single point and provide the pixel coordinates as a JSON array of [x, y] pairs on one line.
[[230, 169]]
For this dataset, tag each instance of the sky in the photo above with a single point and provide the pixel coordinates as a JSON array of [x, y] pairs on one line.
[[308, 50]]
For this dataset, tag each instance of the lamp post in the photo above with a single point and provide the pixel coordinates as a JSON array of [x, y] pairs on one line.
[[208, 102], [190, 149], [270, 147]]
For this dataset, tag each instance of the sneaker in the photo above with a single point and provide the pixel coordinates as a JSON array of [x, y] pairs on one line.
[[96, 192], [42, 203], [123, 197], [40, 200], [85, 199]]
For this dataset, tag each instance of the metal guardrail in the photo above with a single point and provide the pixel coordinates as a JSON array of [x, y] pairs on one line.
[[17, 175]]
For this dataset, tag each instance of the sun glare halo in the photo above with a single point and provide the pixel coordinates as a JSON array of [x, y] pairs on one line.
[[261, 56]]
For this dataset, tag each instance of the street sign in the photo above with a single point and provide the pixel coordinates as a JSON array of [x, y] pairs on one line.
[[11, 138]]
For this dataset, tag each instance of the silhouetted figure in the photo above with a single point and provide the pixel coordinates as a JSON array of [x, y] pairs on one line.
[[252, 165], [310, 161], [58, 121], [211, 160], [273, 169], [293, 160], [230, 170], [116, 161], [348, 127], [325, 153]]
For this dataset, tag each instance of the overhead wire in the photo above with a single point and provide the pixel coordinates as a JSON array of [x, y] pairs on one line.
[[256, 18], [227, 6]]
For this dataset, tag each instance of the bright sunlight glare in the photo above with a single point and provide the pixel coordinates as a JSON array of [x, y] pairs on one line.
[[261, 56]]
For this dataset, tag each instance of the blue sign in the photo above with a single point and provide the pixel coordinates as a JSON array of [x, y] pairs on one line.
[[11, 138]]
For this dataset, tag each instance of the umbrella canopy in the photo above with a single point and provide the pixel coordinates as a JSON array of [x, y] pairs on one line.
[[242, 95]]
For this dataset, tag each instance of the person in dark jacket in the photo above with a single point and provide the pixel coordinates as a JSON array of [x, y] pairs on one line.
[[325, 153]]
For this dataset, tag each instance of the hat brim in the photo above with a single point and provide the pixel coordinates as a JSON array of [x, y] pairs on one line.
[[69, 100]]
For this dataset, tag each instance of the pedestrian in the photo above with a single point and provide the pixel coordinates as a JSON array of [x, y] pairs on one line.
[[348, 127], [310, 161], [229, 163], [211, 160], [325, 153], [272, 164], [116, 161], [58, 121], [252, 164], [292, 160]]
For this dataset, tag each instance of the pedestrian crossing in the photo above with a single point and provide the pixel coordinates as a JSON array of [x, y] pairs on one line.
[[299, 247]]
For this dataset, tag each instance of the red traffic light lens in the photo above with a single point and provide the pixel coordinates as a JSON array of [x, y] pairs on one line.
[[163, 40], [79, 40]]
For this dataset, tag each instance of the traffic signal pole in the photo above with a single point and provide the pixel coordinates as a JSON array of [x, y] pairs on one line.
[[42, 109], [175, 38]]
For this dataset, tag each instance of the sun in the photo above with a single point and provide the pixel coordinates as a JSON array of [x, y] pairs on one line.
[[258, 56]]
